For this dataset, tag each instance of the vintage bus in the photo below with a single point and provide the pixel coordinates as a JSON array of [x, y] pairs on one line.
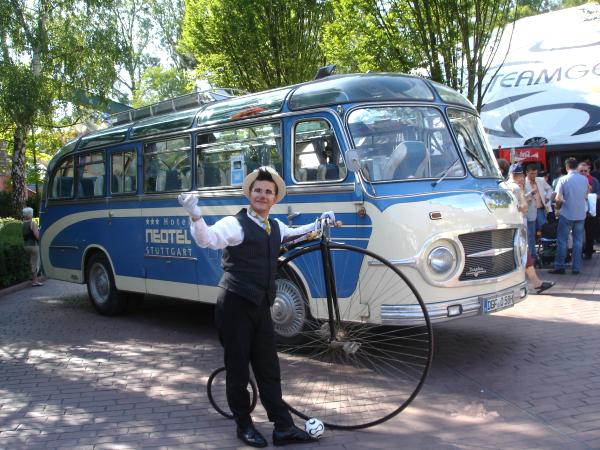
[[427, 195]]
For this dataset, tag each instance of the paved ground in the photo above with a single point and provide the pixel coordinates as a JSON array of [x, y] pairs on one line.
[[528, 377]]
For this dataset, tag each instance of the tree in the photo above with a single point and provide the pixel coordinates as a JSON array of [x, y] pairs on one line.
[[50, 51], [453, 41], [255, 44], [144, 51], [159, 84], [357, 40]]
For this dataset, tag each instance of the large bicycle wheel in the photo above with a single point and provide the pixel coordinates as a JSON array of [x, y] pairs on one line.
[[373, 361]]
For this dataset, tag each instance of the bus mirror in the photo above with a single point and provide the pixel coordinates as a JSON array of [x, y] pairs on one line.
[[352, 160]]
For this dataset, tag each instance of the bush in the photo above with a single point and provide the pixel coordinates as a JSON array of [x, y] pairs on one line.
[[14, 263]]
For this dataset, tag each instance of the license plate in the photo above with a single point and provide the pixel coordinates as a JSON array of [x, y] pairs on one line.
[[497, 302]]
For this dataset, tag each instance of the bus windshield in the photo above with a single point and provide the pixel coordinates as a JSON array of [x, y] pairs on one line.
[[403, 142], [473, 144]]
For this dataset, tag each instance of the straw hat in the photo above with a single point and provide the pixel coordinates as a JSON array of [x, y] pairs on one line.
[[276, 178]]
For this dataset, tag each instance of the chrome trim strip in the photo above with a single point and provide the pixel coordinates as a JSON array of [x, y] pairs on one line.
[[64, 247], [438, 312], [188, 258], [490, 252], [396, 262], [321, 188]]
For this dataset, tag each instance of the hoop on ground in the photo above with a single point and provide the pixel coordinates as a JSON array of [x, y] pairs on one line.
[[217, 396]]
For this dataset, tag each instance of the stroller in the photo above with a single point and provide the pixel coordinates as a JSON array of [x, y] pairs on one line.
[[547, 246]]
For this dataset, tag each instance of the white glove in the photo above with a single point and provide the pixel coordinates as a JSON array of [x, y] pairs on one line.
[[330, 216], [190, 204]]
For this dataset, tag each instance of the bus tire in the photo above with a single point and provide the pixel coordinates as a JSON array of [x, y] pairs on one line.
[[105, 297]]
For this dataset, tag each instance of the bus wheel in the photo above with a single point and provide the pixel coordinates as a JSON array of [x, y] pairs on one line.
[[101, 287], [288, 312]]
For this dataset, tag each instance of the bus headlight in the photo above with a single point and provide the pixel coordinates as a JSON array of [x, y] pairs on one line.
[[520, 245], [441, 260]]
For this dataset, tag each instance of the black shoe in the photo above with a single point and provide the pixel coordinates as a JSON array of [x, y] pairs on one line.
[[250, 436], [291, 435], [557, 271], [586, 257], [575, 272]]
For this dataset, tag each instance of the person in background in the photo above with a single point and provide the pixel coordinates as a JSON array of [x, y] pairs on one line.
[[516, 183], [571, 201], [557, 174], [591, 222], [504, 166], [596, 172], [31, 237], [539, 196]]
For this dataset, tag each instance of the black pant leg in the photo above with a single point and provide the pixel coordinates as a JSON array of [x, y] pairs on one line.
[[588, 246], [235, 324], [265, 365]]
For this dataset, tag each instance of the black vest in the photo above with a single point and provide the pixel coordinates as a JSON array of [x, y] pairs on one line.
[[251, 266]]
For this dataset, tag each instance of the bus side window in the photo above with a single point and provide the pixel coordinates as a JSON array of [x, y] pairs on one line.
[[226, 156], [123, 172], [167, 165], [90, 173], [62, 180], [317, 155]]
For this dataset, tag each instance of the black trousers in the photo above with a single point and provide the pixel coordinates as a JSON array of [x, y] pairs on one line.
[[591, 231], [246, 332]]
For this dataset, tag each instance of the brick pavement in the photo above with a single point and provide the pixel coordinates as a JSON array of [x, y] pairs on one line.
[[527, 377]]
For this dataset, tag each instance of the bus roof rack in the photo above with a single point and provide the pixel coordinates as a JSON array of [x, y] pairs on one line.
[[181, 103]]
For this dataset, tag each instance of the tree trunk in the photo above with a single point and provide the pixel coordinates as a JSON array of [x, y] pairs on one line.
[[19, 187]]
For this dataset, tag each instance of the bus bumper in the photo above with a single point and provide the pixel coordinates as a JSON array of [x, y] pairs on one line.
[[454, 309]]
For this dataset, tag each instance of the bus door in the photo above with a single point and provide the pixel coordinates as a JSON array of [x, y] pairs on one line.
[[170, 257], [124, 217], [318, 177]]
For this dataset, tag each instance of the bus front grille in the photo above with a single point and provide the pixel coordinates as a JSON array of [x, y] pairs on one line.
[[488, 254]]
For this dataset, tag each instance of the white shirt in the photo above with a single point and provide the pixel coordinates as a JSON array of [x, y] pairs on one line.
[[227, 232]]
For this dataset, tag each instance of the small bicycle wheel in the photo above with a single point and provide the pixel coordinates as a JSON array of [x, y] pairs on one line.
[[381, 349], [215, 388]]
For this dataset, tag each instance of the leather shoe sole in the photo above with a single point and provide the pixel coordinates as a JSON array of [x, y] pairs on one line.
[[250, 436]]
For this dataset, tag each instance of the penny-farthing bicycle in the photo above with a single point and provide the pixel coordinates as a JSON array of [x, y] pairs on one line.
[[340, 361]]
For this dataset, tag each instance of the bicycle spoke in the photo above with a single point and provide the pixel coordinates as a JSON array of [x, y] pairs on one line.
[[368, 372]]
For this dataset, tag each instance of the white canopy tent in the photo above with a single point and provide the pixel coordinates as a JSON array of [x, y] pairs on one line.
[[549, 84]]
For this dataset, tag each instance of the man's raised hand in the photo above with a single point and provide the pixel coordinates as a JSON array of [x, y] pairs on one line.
[[189, 202]]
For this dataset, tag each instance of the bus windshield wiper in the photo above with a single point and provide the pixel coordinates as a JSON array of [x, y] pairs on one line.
[[445, 174]]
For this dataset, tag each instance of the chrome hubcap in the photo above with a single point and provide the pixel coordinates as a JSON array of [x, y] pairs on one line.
[[288, 310], [99, 283]]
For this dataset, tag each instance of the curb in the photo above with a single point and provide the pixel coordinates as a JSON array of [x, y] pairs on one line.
[[17, 287]]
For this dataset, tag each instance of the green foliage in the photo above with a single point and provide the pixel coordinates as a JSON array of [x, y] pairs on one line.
[[14, 263], [160, 84], [255, 44], [367, 46]]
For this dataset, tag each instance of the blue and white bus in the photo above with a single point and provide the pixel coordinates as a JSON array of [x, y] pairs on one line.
[[428, 194]]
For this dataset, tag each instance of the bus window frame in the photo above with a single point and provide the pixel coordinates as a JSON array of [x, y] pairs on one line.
[[124, 149], [319, 116], [53, 176], [265, 120], [166, 138], [441, 109], [78, 177]]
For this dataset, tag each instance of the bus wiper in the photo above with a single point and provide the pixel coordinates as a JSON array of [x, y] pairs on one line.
[[475, 156], [445, 174]]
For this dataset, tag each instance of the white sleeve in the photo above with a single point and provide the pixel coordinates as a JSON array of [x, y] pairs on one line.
[[287, 232], [226, 232]]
